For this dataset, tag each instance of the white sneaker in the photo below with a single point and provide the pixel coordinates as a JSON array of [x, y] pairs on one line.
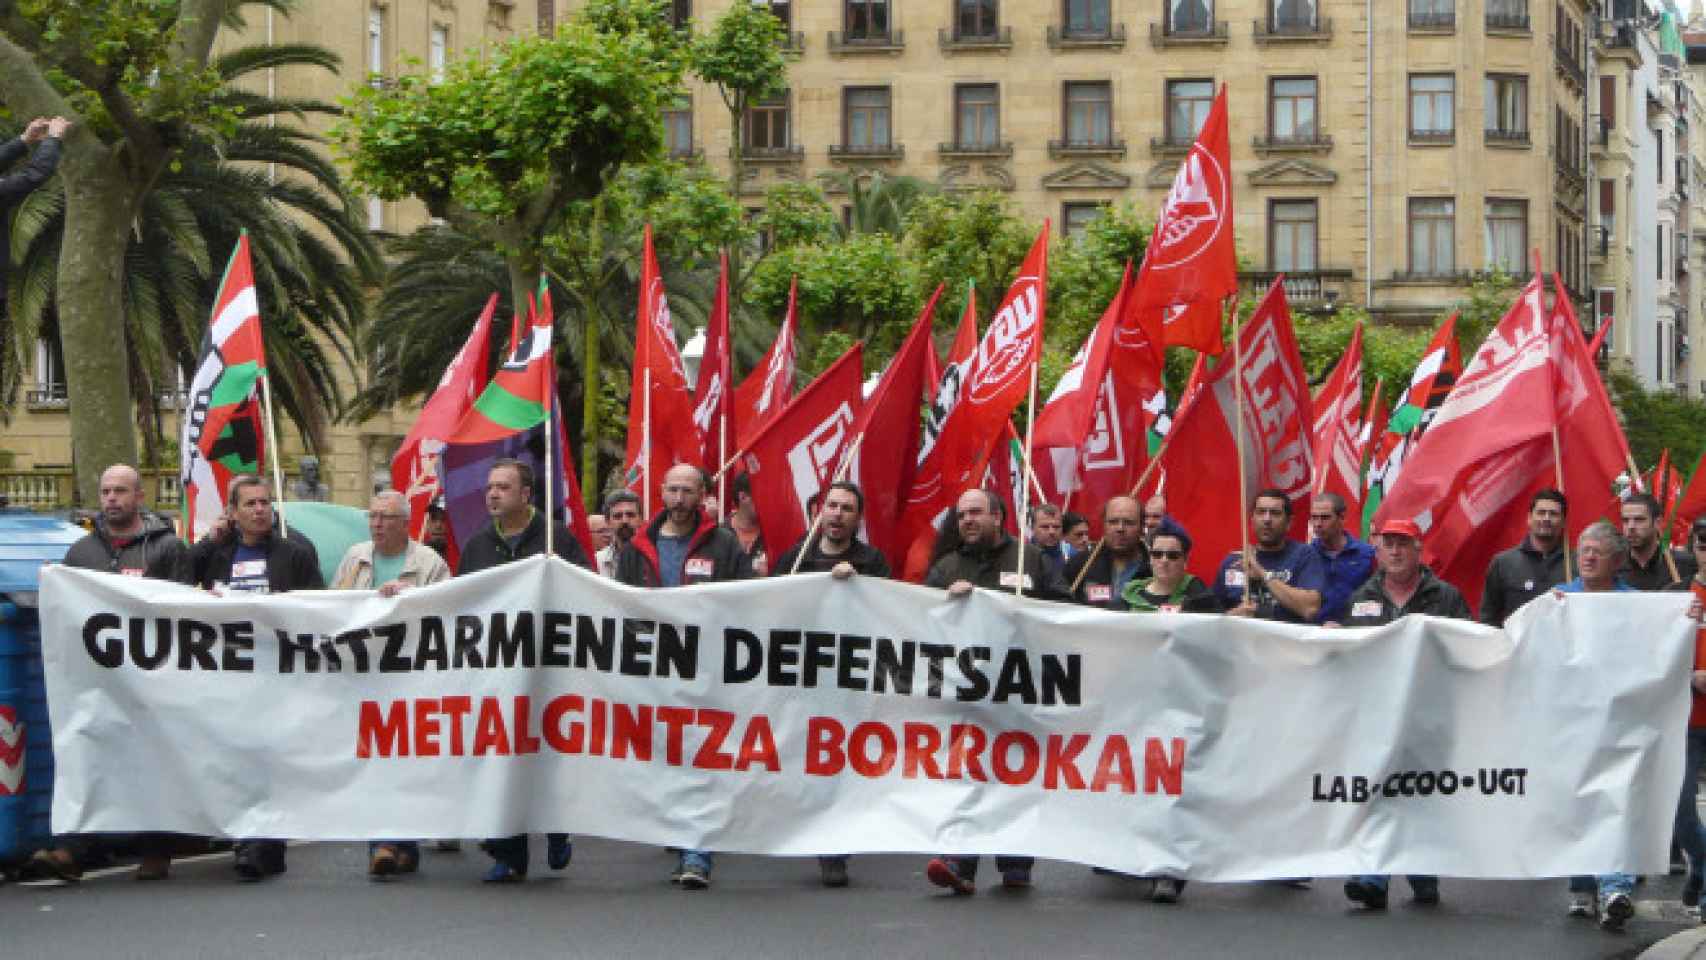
[[1581, 905]]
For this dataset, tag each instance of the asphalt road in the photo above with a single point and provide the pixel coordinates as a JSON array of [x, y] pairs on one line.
[[615, 901]]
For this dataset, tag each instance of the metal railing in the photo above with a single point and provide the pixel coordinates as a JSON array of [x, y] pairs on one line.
[[876, 150], [1433, 20], [1111, 36], [1305, 287], [844, 42], [1216, 31], [1003, 148], [1298, 141], [1067, 147], [1295, 27], [955, 40], [1508, 20], [1510, 137]]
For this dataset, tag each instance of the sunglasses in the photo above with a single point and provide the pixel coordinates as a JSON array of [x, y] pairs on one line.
[[1700, 543], [1168, 554]]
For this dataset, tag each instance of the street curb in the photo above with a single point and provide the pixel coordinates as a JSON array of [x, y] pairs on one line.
[[1678, 946]]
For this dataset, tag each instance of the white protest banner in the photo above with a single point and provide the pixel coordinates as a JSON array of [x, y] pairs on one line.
[[804, 715]]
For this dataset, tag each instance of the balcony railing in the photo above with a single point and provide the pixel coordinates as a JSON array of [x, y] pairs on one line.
[[1570, 66], [1507, 138], [55, 488], [1111, 37], [1276, 29], [988, 149], [791, 153], [1508, 21], [893, 41], [793, 41], [1170, 145], [1308, 288], [1433, 21], [1433, 137], [51, 397], [1302, 142], [1599, 242], [952, 40], [1167, 34], [1086, 148], [867, 151]]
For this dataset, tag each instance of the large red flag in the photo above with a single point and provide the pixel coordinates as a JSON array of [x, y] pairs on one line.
[[660, 420], [1373, 428], [1191, 264], [794, 459], [1202, 447], [571, 508], [1664, 482], [1690, 505], [414, 468], [883, 468], [760, 398], [1005, 474], [1337, 455], [711, 396], [1590, 437]]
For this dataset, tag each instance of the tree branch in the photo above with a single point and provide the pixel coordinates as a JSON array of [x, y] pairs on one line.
[[24, 87]]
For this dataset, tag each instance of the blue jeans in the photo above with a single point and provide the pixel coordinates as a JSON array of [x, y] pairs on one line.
[[1689, 833], [511, 851], [703, 859], [1605, 885], [1419, 882], [967, 866]]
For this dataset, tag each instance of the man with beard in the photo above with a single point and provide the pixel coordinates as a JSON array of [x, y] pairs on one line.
[[1533, 566], [987, 557], [683, 545], [838, 551], [1276, 578], [1348, 561], [1098, 578], [622, 510], [517, 531], [128, 540], [1650, 566]]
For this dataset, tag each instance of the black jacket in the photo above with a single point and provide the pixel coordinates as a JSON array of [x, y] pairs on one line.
[[1096, 588], [156, 553], [15, 186], [487, 549], [637, 561], [1656, 575], [290, 565], [1517, 576], [1371, 607], [988, 566], [867, 560]]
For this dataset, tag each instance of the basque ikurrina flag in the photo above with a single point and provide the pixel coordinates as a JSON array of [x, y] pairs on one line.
[[222, 425], [515, 399]]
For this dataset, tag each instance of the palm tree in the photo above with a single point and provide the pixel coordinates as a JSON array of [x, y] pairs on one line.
[[878, 201], [312, 253]]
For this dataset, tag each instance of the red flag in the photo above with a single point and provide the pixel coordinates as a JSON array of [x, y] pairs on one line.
[[1191, 264], [567, 483], [965, 336], [1590, 436], [794, 459], [883, 467], [664, 415], [1690, 505], [760, 398], [1373, 428], [711, 396], [414, 468], [1203, 441], [517, 398], [1664, 482], [1336, 452], [976, 396], [1005, 474], [1599, 337]]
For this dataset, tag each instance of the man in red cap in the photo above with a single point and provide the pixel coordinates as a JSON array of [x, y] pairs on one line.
[[1400, 587]]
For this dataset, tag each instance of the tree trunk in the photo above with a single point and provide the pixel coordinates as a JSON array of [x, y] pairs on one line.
[[90, 296], [592, 488], [523, 279]]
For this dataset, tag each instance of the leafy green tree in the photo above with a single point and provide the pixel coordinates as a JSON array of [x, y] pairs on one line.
[[796, 214], [121, 255], [863, 288], [1659, 420], [952, 238], [742, 56]]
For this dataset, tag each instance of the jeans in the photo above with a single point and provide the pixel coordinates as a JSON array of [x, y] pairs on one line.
[[511, 851], [703, 859], [1605, 885], [967, 866], [1420, 883], [1689, 833]]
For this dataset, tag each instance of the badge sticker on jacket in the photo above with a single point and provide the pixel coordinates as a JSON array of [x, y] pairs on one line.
[[1011, 579], [1365, 608], [699, 567], [1234, 577], [1098, 593]]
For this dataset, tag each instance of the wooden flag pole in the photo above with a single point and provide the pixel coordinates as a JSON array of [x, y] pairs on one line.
[[817, 521], [272, 450], [1025, 488], [1136, 489], [1558, 475], [646, 449], [722, 450]]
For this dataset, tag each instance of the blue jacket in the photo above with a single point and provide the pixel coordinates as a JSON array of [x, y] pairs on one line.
[[1347, 571]]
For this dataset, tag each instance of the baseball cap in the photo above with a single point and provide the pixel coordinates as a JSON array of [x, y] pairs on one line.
[[1401, 528]]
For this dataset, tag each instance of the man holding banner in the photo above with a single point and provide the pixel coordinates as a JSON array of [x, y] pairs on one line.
[[683, 545], [1280, 579], [517, 531]]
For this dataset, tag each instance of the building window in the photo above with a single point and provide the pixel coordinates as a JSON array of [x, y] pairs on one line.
[[784, 11], [975, 19], [867, 19], [1507, 235], [1291, 109], [1088, 18], [438, 51], [1432, 225], [50, 370], [1294, 16], [1507, 14], [1431, 106], [1506, 107], [1188, 103], [1075, 216], [767, 124], [680, 13], [1292, 229], [678, 126], [1435, 14], [1190, 16], [1089, 115], [1661, 258], [375, 41], [865, 118], [977, 115], [375, 213]]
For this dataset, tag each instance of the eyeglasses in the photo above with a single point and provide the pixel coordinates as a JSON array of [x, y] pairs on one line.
[[1700, 543], [1167, 554]]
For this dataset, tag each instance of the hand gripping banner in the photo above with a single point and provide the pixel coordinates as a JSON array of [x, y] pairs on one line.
[[803, 716]]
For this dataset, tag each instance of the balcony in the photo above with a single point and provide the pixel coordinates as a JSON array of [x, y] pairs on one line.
[[1432, 278], [954, 42], [1168, 35], [792, 153], [1079, 149], [793, 43], [1289, 30], [867, 151], [1432, 138], [1599, 131], [1515, 139], [55, 488], [1599, 242], [842, 42], [1509, 22], [50, 397], [1171, 146], [1433, 21], [1570, 67], [1310, 142], [957, 151], [1087, 38], [1305, 289]]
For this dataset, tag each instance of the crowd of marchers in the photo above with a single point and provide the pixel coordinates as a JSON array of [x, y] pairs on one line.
[[1139, 565]]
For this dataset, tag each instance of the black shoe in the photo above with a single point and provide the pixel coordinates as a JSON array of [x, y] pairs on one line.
[[1691, 892], [248, 864], [1366, 894], [834, 872]]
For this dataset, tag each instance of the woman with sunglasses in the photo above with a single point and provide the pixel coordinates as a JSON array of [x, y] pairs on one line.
[[1171, 589]]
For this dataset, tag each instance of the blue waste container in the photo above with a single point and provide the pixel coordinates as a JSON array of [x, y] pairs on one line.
[[27, 541]]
